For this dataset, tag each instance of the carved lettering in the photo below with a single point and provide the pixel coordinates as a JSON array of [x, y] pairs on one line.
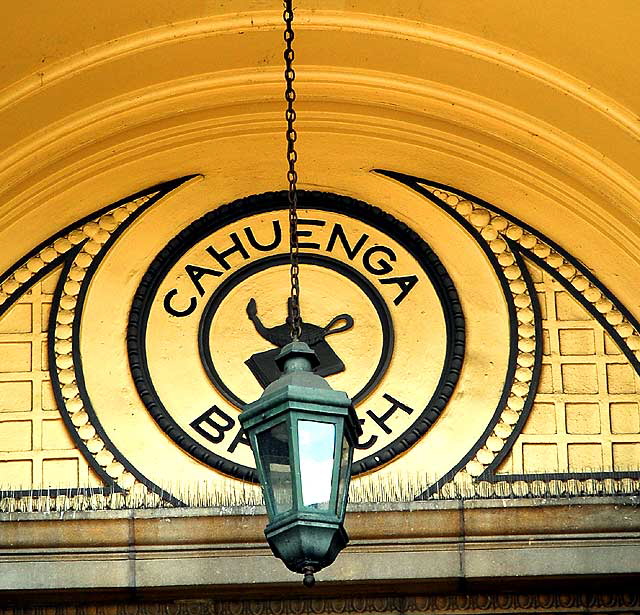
[[213, 424], [363, 446], [396, 405], [338, 233], [405, 282], [310, 245], [195, 272], [240, 438], [381, 266], [221, 257], [277, 238], [193, 302], [378, 259]]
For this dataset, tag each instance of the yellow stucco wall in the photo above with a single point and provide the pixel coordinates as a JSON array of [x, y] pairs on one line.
[[532, 108]]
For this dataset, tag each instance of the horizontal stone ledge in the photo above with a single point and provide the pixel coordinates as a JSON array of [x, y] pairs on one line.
[[423, 542], [258, 574], [430, 521]]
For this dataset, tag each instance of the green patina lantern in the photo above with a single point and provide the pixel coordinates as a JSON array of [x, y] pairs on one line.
[[301, 431], [302, 434]]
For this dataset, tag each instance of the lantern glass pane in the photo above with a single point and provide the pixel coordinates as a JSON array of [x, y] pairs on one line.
[[273, 448], [345, 468], [317, 452]]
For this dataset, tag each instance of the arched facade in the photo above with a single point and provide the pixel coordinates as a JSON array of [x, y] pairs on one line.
[[470, 204]]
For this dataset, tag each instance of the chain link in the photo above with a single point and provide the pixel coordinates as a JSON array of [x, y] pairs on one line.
[[294, 319]]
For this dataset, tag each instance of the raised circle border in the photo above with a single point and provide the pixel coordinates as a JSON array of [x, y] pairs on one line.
[[272, 201]]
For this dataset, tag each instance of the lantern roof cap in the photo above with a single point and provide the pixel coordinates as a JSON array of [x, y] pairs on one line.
[[297, 361], [296, 349]]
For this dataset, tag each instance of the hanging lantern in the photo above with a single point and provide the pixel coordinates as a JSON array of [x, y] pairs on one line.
[[301, 431], [302, 434]]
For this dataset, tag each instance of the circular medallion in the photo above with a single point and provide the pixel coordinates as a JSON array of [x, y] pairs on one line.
[[378, 307]]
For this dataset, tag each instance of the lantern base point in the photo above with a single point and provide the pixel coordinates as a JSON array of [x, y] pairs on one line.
[[309, 580], [306, 545]]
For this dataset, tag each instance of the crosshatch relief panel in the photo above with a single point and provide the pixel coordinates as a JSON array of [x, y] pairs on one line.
[[36, 449], [585, 414], [139, 390]]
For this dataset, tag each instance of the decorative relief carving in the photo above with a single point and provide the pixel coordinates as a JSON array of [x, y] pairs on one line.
[[585, 414], [509, 245], [35, 447], [91, 240], [569, 400], [496, 232], [392, 269], [53, 349], [506, 602], [578, 377]]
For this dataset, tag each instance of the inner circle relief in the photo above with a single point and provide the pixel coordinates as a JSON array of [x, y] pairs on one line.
[[338, 306]]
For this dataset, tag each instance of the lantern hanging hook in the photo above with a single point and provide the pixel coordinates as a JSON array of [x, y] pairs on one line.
[[294, 319]]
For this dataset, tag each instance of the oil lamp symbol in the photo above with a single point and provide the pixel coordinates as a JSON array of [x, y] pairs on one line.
[[263, 365]]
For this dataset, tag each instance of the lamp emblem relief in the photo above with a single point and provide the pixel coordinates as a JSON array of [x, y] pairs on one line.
[[263, 364]]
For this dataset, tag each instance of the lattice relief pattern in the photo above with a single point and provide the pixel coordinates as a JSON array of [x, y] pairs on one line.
[[586, 413], [35, 447]]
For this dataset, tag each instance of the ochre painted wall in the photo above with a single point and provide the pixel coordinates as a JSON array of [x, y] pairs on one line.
[[521, 120]]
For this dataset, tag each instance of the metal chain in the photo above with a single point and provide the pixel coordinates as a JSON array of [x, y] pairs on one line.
[[295, 321]]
